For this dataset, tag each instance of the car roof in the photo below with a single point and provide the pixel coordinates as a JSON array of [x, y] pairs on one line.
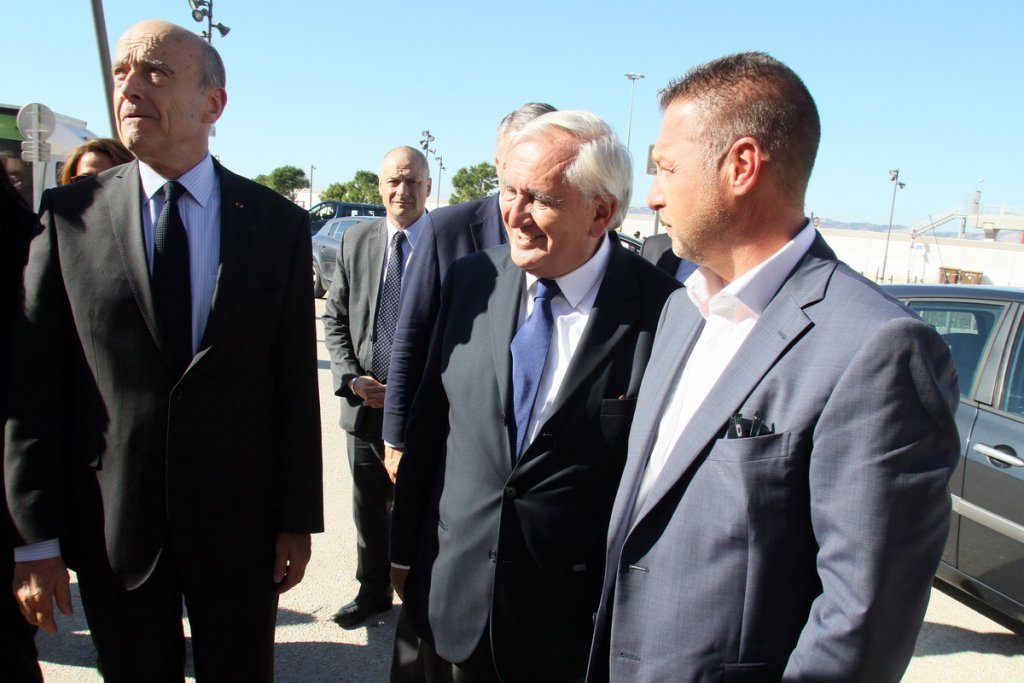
[[956, 292]]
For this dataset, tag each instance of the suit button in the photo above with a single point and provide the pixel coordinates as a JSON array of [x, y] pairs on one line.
[[492, 556], [510, 491]]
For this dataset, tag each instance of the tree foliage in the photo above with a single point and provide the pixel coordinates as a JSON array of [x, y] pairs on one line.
[[363, 188], [285, 180], [333, 192], [474, 182]]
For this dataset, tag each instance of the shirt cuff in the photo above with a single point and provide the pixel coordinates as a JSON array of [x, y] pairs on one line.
[[395, 565], [44, 550]]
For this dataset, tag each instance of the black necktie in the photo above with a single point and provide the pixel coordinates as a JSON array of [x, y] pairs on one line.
[[172, 285], [387, 311], [529, 355]]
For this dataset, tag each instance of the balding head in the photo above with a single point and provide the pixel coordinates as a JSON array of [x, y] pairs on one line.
[[404, 184]]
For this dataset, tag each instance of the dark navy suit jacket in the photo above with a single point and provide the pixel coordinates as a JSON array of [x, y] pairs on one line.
[[453, 232]]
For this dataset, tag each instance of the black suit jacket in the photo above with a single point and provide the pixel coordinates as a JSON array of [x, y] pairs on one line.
[[658, 250], [522, 546], [452, 232], [111, 452]]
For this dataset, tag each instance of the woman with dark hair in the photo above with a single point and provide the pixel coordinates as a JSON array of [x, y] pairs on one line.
[[17, 225], [92, 157]]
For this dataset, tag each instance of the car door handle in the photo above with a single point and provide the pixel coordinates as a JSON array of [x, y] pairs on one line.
[[999, 455]]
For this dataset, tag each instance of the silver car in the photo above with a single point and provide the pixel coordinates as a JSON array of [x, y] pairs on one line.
[[325, 250]]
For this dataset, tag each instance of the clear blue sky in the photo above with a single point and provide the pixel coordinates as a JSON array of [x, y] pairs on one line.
[[932, 87]]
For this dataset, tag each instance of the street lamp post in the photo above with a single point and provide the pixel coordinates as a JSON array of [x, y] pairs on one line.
[[440, 168], [894, 176], [203, 9], [633, 78], [311, 169]]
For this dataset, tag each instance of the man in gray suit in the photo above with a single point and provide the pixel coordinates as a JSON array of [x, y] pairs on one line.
[[359, 324], [516, 438], [784, 503]]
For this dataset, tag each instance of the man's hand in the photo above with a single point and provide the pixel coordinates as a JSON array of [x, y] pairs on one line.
[[370, 390], [36, 585], [291, 555], [392, 456], [398, 577]]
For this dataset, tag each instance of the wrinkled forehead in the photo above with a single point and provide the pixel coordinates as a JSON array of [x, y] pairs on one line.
[[139, 46]]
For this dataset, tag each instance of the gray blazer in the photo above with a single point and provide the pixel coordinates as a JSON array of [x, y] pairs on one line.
[[350, 314], [806, 554]]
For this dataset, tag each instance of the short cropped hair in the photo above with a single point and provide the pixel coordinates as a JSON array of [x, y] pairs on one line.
[[751, 94], [108, 147], [602, 166]]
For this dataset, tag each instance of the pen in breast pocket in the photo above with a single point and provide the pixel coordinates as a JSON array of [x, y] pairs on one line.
[[756, 424], [736, 425]]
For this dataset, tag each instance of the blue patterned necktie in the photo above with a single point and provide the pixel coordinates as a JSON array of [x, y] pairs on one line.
[[387, 311], [529, 355], [172, 284]]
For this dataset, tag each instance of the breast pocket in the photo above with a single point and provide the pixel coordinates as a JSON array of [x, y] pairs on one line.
[[616, 418], [751, 449]]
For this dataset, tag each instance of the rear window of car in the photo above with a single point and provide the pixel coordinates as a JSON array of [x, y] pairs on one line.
[[967, 327]]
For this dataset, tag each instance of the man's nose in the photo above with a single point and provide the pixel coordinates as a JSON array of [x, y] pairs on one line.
[[655, 198], [519, 211]]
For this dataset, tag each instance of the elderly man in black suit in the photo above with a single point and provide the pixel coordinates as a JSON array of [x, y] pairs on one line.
[[166, 438], [359, 324], [517, 436]]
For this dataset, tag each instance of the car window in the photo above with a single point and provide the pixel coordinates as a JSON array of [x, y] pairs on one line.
[[322, 212], [967, 327], [1012, 399]]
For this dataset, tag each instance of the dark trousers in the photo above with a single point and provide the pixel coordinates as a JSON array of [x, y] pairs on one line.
[[138, 633], [372, 497], [18, 645], [414, 660]]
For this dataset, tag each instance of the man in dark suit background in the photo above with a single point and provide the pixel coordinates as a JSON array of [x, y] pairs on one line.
[[166, 437], [453, 232], [784, 504], [359, 324], [516, 438], [658, 250]]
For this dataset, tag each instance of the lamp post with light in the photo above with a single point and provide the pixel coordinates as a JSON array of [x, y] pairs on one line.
[[633, 78], [203, 9], [894, 176]]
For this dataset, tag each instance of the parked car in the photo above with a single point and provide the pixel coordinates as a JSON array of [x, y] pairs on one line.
[[629, 242], [325, 211], [984, 554], [325, 251]]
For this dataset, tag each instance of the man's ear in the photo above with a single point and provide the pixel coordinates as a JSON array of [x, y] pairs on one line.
[[742, 165], [603, 208], [216, 100]]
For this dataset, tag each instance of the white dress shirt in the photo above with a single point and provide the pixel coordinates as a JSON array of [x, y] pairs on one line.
[[730, 313], [570, 310], [412, 233]]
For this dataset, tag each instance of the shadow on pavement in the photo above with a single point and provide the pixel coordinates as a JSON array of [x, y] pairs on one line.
[[943, 639]]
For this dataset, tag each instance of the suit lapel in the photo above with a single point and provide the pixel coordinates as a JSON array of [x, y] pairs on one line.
[[237, 215], [779, 326], [124, 203], [614, 313], [373, 265], [503, 312]]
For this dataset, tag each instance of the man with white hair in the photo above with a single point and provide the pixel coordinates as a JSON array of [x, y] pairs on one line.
[[517, 436]]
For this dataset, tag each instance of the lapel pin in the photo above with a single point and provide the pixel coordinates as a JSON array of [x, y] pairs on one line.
[[239, 205]]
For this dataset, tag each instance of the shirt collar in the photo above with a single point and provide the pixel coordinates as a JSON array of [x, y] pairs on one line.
[[574, 285], [199, 180], [412, 232], [755, 288]]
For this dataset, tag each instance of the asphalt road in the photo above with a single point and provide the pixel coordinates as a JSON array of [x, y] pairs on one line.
[[957, 644]]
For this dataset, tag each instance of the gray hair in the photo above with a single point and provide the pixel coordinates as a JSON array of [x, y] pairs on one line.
[[752, 94], [602, 166], [515, 120], [212, 74]]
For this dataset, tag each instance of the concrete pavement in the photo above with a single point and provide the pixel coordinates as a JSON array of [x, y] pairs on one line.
[[957, 644]]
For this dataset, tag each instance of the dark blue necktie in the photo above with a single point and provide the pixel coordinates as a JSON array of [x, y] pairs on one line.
[[529, 355], [172, 285], [387, 311]]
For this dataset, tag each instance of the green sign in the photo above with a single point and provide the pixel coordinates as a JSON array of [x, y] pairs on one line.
[[9, 127]]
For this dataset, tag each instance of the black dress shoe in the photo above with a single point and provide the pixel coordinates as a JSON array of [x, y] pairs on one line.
[[358, 611]]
